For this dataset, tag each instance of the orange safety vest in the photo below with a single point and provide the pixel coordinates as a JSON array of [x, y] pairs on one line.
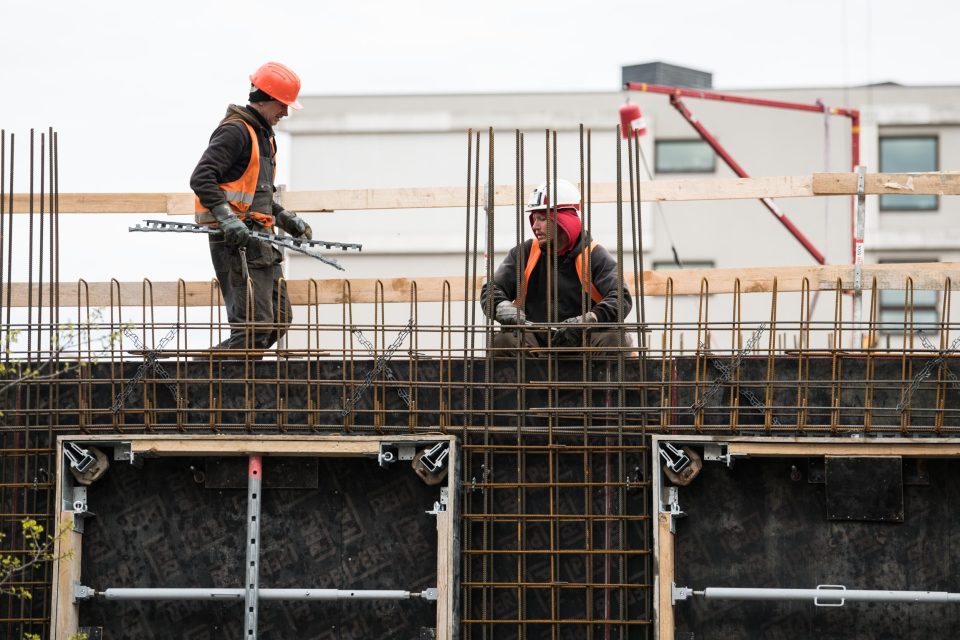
[[532, 262], [240, 192]]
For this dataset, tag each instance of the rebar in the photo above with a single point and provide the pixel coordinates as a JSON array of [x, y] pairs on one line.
[[556, 466]]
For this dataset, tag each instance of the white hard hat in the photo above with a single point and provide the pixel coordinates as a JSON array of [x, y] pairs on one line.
[[568, 196]]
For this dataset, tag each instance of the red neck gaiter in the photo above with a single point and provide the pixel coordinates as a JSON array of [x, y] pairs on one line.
[[569, 221]]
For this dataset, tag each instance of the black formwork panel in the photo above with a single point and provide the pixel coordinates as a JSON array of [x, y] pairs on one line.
[[770, 523], [167, 525]]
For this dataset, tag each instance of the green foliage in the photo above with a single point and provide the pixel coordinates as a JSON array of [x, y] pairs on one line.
[[39, 548], [67, 338], [36, 636]]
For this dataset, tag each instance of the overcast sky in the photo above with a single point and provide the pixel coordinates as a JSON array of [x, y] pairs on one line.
[[134, 89]]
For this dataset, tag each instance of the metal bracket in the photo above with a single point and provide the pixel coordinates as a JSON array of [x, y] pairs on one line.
[[717, 453], [388, 454], [827, 588], [678, 594], [80, 458], [435, 458], [674, 458], [81, 593], [673, 507], [123, 451], [859, 229], [430, 594], [441, 505], [78, 506], [79, 502]]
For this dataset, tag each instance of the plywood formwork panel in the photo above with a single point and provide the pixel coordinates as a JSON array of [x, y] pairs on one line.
[[165, 525], [758, 519]]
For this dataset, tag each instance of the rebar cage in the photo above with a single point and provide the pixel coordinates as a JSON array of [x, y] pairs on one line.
[[555, 478]]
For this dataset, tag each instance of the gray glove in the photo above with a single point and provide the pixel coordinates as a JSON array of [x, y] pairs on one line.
[[570, 334], [509, 313], [294, 225], [235, 233]]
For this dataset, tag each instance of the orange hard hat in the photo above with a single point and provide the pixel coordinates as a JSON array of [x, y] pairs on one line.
[[279, 82]]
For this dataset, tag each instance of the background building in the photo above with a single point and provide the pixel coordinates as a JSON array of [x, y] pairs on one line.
[[421, 141]]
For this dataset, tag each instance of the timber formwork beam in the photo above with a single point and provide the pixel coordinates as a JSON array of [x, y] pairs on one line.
[[921, 276], [817, 184]]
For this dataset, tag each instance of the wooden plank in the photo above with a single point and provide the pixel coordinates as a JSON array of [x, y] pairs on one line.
[[864, 449], [818, 184], [665, 578], [66, 566], [925, 276], [710, 189], [343, 448], [446, 552], [107, 203], [393, 198], [928, 276], [428, 197], [935, 183], [205, 294]]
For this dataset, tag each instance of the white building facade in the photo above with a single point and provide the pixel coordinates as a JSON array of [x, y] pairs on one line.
[[343, 142]]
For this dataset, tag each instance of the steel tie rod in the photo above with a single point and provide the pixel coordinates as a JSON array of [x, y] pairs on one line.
[[263, 594], [825, 595]]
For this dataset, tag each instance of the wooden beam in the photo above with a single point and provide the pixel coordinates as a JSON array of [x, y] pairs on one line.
[[928, 276], [146, 203], [66, 563], [447, 548], [861, 449], [665, 577], [227, 446], [942, 184], [456, 197]]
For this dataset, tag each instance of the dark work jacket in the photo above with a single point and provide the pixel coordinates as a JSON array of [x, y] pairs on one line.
[[571, 295], [227, 156]]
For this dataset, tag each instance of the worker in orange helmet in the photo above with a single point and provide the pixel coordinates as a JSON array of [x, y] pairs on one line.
[[588, 288], [234, 187]]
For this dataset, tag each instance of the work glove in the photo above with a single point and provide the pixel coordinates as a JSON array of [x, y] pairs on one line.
[[235, 233], [570, 334], [294, 225], [509, 313]]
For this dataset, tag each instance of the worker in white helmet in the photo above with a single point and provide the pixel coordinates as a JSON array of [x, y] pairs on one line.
[[587, 292]]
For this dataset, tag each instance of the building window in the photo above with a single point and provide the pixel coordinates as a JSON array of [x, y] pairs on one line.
[[891, 304], [660, 265], [908, 155], [684, 156]]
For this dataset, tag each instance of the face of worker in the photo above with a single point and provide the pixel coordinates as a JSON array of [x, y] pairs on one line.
[[272, 111], [546, 231]]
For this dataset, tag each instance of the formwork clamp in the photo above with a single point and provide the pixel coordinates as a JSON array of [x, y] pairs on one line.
[[673, 507], [435, 458], [82, 593], [440, 505], [675, 459], [79, 458], [390, 453]]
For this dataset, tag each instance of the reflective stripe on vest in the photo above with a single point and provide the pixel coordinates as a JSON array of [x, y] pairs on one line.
[[532, 263], [240, 192]]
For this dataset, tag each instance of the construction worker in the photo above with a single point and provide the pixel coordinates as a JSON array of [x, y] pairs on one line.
[[584, 296], [234, 187]]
